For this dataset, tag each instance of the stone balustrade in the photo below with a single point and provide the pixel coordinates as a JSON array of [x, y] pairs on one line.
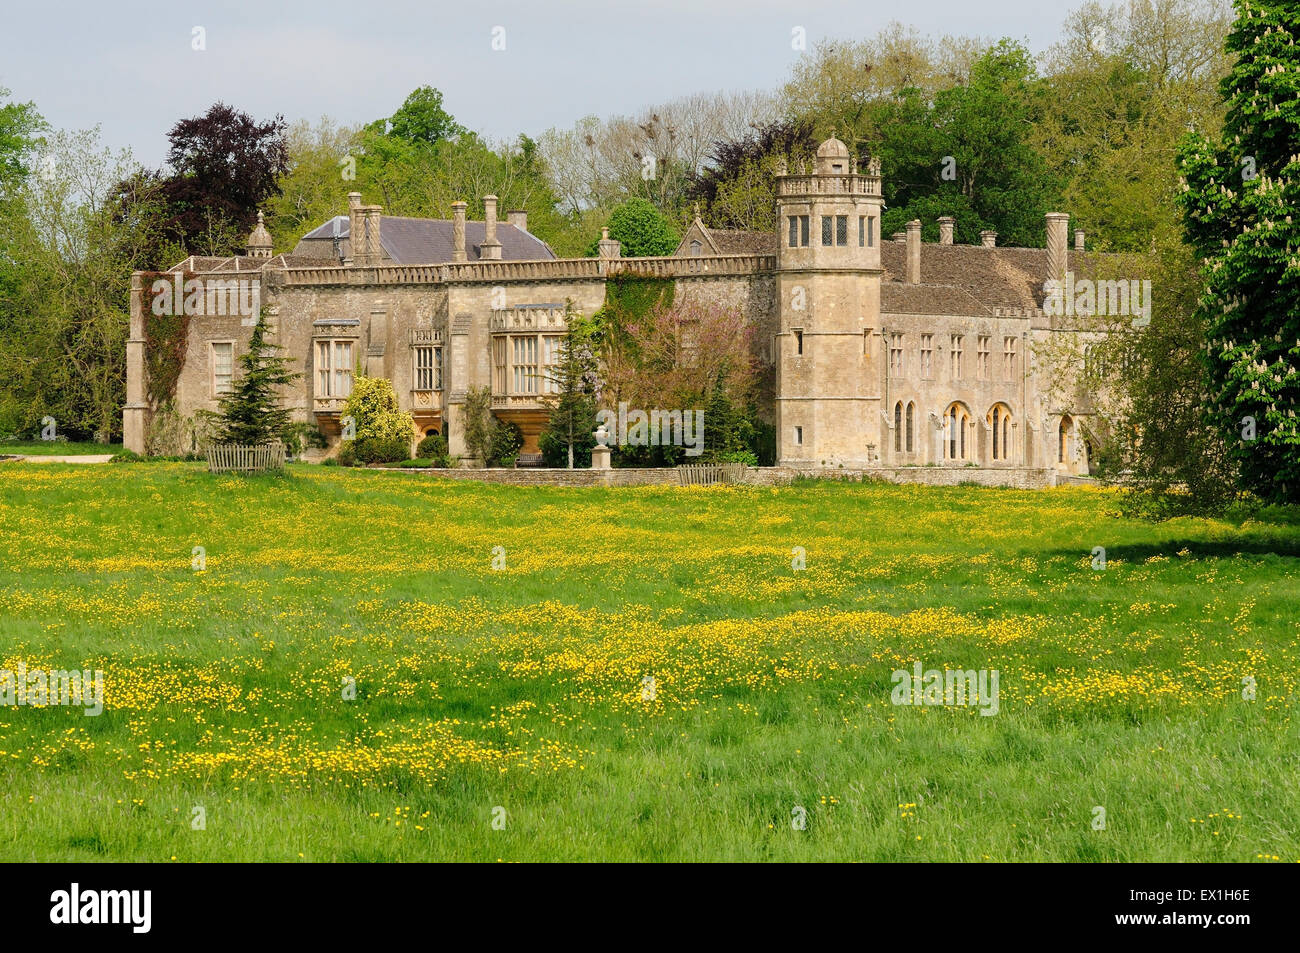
[[560, 269]]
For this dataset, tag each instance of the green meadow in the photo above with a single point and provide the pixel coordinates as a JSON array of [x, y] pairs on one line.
[[337, 665]]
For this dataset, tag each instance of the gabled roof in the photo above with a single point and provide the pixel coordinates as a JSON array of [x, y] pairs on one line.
[[725, 241], [241, 263], [422, 241]]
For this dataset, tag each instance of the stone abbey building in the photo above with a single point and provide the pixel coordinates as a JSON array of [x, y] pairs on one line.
[[888, 353]]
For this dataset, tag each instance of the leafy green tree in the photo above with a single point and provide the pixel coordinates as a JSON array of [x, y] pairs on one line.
[[20, 127], [983, 126], [1240, 212], [641, 229], [251, 413], [66, 257], [422, 118]]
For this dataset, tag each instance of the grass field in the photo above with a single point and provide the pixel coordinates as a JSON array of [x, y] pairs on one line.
[[646, 678], [55, 448]]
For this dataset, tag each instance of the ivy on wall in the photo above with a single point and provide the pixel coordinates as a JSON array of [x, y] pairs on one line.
[[165, 337], [629, 296]]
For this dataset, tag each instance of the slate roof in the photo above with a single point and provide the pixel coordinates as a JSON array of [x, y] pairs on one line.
[[956, 277], [423, 241], [736, 242]]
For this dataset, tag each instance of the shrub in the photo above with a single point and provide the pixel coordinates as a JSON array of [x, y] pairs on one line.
[[747, 457], [300, 436], [507, 438], [432, 447], [383, 432], [380, 449]]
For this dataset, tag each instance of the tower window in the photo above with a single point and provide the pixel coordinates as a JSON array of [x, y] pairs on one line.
[[803, 230], [862, 231], [798, 340], [798, 435], [841, 229], [826, 229], [794, 230]]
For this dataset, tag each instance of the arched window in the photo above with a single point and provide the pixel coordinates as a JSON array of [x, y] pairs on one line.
[[1062, 454], [898, 427], [956, 421], [999, 421], [911, 413]]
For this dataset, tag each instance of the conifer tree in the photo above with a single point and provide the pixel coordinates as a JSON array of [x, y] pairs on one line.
[[251, 413], [576, 382]]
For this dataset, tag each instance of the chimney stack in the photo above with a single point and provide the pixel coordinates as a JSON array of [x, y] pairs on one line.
[[1078, 239], [370, 251], [355, 227], [490, 250], [458, 231], [518, 218], [946, 223], [609, 247], [988, 238], [1058, 224], [914, 252]]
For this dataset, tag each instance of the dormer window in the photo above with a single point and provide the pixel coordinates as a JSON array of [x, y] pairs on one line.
[[697, 249], [837, 167]]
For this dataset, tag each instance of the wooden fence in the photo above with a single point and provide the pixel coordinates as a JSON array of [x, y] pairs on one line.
[[707, 474], [227, 458]]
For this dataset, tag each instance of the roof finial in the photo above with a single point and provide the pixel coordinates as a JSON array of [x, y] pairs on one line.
[[697, 209]]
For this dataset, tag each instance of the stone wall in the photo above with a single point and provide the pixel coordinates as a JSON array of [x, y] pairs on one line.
[[1018, 478]]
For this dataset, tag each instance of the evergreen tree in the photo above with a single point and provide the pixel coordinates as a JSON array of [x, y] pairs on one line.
[[577, 380], [251, 413], [1240, 211]]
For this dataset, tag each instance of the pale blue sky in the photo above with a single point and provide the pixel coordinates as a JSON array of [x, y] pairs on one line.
[[128, 65]]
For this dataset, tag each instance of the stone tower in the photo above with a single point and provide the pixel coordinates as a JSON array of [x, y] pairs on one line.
[[828, 283]]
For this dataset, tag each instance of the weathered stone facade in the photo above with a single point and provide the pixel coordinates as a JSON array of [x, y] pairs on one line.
[[886, 354]]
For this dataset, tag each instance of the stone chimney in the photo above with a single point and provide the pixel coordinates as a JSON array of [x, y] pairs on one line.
[[1078, 239], [914, 252], [988, 238], [458, 231], [354, 225], [518, 218], [1058, 224], [490, 250], [609, 247], [946, 223], [370, 252]]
